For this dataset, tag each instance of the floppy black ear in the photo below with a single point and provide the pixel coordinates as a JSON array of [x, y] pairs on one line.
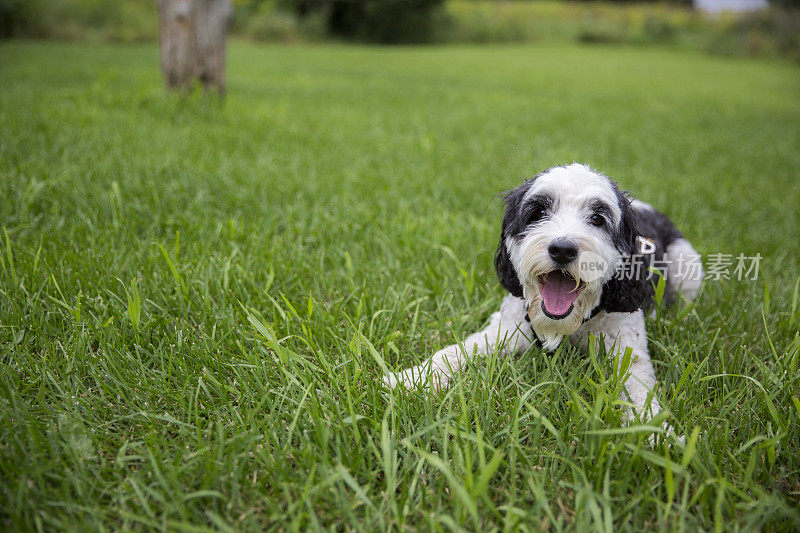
[[623, 295], [505, 271], [625, 238], [628, 290], [511, 227]]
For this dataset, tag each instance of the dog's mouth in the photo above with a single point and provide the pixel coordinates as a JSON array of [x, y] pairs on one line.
[[559, 291]]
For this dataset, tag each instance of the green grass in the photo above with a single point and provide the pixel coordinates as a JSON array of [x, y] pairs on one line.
[[198, 301]]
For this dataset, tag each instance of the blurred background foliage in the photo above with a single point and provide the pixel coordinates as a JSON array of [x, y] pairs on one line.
[[99, 20], [771, 32]]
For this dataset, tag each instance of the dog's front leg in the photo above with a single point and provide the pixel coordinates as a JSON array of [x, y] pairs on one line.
[[621, 331], [508, 332]]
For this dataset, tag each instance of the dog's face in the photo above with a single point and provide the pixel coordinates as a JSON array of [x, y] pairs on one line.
[[564, 233]]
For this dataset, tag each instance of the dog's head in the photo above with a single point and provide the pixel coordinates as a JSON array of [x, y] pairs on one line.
[[564, 235]]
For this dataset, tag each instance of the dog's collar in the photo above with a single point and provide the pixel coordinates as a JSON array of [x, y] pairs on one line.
[[537, 341]]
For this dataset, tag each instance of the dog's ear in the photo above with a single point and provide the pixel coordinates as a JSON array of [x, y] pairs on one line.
[[628, 289], [511, 227], [505, 270], [626, 292], [625, 238]]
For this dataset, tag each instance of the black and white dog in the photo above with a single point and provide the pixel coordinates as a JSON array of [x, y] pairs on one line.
[[576, 255]]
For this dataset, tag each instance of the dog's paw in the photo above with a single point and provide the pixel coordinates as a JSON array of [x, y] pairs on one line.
[[416, 377], [630, 416], [671, 434]]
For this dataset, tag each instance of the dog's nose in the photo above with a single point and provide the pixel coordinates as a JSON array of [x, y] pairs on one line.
[[563, 251]]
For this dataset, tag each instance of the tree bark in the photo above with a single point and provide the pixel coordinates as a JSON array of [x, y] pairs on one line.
[[193, 38]]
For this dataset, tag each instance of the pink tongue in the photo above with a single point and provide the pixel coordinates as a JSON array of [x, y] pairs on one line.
[[558, 292]]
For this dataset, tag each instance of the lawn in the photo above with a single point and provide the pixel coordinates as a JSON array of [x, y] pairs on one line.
[[198, 301]]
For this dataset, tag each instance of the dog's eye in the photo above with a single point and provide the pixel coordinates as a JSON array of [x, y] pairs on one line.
[[538, 214], [597, 220]]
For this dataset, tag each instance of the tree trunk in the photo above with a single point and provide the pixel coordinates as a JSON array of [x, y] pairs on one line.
[[193, 37]]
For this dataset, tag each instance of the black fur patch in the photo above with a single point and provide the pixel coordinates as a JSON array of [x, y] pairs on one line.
[[657, 227], [627, 291], [514, 223]]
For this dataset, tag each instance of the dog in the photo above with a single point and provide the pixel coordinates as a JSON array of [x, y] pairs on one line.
[[576, 256]]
